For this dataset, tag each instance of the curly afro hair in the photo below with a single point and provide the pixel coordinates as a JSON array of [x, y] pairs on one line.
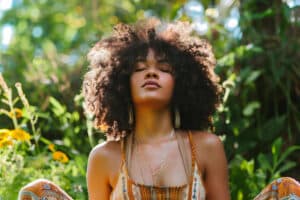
[[106, 88]]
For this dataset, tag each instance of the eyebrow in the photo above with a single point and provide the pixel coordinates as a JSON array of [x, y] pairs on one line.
[[162, 59], [140, 58]]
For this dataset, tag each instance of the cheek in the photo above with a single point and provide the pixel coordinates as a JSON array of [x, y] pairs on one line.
[[170, 84], [134, 78], [131, 81], [134, 82]]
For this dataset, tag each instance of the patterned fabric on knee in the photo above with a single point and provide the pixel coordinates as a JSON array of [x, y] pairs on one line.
[[284, 188], [42, 189]]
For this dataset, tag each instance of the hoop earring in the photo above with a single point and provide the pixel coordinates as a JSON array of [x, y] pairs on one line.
[[130, 116], [177, 118]]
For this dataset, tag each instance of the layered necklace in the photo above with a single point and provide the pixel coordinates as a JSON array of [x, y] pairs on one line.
[[155, 171]]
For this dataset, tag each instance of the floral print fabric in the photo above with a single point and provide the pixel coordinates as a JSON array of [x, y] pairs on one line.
[[284, 188]]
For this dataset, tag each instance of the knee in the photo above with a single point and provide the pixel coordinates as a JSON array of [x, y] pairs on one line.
[[41, 188], [286, 186], [283, 187]]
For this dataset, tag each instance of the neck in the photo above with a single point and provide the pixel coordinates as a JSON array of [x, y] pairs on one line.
[[152, 124]]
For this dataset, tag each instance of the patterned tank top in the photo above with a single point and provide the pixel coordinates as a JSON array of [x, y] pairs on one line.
[[127, 189]]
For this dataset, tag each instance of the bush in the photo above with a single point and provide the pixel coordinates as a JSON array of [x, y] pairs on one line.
[[27, 155]]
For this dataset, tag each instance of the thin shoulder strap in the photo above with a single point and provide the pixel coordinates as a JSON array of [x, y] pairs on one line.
[[193, 150], [194, 153], [185, 153], [126, 143], [123, 150], [126, 154]]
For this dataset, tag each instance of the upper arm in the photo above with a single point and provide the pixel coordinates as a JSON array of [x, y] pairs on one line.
[[215, 167], [97, 174]]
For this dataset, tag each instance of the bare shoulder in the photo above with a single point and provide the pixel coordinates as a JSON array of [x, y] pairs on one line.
[[205, 139], [106, 156], [103, 164], [106, 148], [209, 149], [213, 164]]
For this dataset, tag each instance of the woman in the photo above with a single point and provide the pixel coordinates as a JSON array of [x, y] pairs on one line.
[[153, 90], [152, 87], [156, 90]]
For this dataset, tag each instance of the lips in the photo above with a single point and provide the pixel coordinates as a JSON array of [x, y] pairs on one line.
[[151, 84]]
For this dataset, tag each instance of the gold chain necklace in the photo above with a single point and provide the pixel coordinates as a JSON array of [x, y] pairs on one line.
[[155, 171]]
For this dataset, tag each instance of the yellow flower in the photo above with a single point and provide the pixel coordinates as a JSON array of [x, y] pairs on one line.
[[6, 142], [4, 134], [60, 156], [19, 134], [51, 147], [103, 127], [17, 112]]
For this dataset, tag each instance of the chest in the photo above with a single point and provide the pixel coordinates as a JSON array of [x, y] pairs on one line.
[[160, 165], [127, 189]]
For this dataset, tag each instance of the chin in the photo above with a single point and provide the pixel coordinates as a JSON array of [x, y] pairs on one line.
[[153, 101]]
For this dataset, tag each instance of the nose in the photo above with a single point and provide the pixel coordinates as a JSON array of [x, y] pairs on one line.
[[151, 73]]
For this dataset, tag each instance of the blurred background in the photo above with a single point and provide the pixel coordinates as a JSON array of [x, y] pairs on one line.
[[43, 47]]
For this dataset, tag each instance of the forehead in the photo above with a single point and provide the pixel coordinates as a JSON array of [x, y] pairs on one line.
[[151, 53]]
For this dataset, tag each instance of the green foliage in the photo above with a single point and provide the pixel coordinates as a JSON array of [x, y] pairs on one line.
[[248, 177], [18, 170], [23, 161], [262, 98]]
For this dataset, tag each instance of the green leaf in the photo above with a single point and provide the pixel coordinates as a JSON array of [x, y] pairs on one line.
[[287, 166], [287, 152], [15, 100], [272, 127], [261, 15], [264, 162], [253, 76], [5, 101], [276, 147], [58, 108], [227, 60], [2, 111], [248, 166], [250, 108]]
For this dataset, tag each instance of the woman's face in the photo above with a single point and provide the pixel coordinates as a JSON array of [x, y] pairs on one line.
[[152, 81]]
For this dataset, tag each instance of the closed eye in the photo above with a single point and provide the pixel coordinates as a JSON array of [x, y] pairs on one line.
[[165, 67], [166, 70], [138, 69], [140, 66]]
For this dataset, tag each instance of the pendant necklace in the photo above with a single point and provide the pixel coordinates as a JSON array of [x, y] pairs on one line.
[[155, 171]]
